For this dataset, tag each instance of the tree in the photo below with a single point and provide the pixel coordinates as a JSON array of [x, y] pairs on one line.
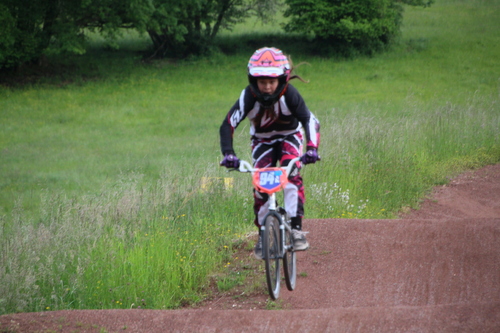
[[189, 26], [365, 25], [24, 30], [31, 28]]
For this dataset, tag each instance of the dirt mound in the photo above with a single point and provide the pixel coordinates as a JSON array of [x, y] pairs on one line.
[[436, 269], [472, 194]]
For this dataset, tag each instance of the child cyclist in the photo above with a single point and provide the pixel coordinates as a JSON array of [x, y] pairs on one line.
[[278, 118]]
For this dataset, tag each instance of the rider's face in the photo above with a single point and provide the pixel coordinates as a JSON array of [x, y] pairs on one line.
[[267, 86]]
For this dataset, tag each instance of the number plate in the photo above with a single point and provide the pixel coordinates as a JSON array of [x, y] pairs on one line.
[[270, 180]]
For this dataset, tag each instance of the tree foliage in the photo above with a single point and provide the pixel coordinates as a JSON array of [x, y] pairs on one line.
[[190, 26], [31, 28], [23, 31], [364, 25]]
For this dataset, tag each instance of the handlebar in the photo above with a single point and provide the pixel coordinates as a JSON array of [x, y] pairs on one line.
[[247, 167]]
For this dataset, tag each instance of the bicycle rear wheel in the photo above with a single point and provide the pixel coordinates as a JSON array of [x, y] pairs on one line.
[[271, 252], [289, 261]]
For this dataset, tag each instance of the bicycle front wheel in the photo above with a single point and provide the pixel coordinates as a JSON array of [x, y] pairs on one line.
[[271, 250]]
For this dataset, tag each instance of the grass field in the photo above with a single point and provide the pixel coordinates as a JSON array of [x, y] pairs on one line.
[[101, 203]]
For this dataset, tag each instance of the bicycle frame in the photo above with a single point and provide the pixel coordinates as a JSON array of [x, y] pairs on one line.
[[271, 181]]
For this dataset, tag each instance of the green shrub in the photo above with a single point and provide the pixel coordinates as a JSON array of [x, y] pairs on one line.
[[348, 26]]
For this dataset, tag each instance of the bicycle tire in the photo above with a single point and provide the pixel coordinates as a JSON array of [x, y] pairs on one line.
[[271, 250], [289, 261]]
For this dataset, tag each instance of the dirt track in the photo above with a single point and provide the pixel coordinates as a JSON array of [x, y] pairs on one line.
[[434, 270]]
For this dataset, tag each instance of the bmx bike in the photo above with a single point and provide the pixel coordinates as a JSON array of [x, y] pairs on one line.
[[276, 230]]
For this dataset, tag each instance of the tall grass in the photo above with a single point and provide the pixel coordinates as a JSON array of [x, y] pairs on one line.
[[131, 246], [380, 163], [102, 166]]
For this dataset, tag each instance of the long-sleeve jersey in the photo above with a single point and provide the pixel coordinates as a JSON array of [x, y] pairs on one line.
[[287, 116]]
